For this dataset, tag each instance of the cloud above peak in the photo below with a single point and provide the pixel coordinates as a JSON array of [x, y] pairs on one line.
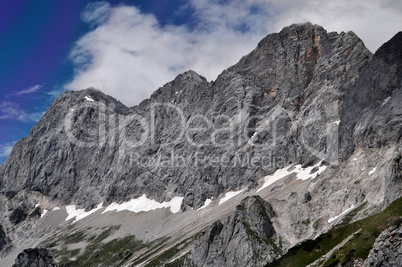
[[128, 54], [29, 90], [5, 149], [13, 111]]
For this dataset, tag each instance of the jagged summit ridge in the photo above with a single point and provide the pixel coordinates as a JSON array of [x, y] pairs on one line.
[[309, 121], [289, 74]]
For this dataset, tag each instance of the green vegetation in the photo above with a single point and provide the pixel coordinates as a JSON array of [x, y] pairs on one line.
[[180, 262], [317, 224], [167, 255], [74, 238], [349, 217], [155, 246], [164, 257], [358, 247], [97, 252], [361, 243], [276, 249], [113, 253]]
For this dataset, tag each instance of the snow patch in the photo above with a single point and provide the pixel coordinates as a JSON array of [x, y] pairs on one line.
[[43, 213], [88, 98], [80, 213], [254, 135], [37, 205], [301, 173], [270, 179], [305, 173], [206, 203], [385, 101], [229, 195], [343, 213], [355, 159], [337, 122], [372, 171], [145, 204], [55, 209]]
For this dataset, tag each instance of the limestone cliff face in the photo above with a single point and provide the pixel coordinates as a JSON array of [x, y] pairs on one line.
[[34, 258], [303, 96], [274, 104], [245, 238], [387, 249]]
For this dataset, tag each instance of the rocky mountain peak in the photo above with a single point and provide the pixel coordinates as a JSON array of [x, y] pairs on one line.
[[188, 80], [391, 51], [288, 75], [305, 129]]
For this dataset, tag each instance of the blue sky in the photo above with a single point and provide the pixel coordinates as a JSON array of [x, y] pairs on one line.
[[130, 48], [36, 38]]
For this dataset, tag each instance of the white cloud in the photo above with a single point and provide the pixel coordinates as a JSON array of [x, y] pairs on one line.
[[29, 90], [375, 22], [5, 150], [12, 111], [129, 54]]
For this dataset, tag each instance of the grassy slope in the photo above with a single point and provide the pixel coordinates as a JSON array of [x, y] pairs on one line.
[[358, 247], [119, 251]]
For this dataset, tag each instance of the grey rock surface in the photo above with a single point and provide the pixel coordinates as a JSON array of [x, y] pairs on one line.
[[34, 258], [274, 104], [387, 249], [3, 239], [371, 113], [245, 238], [303, 96]]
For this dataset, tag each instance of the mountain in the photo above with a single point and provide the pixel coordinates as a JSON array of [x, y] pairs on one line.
[[299, 138]]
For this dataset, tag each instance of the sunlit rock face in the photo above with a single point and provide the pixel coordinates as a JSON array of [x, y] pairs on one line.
[[309, 120]]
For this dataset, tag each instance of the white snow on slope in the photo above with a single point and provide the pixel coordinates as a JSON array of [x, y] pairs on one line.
[[145, 204], [343, 213], [305, 173], [270, 179], [43, 212], [206, 203], [385, 101], [337, 122], [80, 213], [88, 98], [55, 209], [301, 173], [372, 171], [229, 195]]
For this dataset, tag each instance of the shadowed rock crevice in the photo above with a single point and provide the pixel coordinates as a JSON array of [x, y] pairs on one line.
[[244, 238], [83, 152], [34, 257], [310, 117]]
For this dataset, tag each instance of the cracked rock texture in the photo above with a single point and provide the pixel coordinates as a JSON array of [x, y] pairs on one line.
[[34, 258], [275, 104], [245, 238], [302, 96], [387, 249], [3, 238]]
